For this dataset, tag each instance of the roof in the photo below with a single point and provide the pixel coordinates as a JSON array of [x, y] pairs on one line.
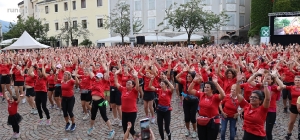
[[20, 3], [44, 1]]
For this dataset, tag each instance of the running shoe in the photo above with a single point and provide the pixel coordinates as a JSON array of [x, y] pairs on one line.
[[90, 130], [153, 120], [60, 112], [23, 101], [32, 111], [17, 135], [41, 122], [3, 99], [194, 134], [68, 127], [73, 127], [35, 112], [86, 117], [1, 94], [120, 123], [115, 121], [187, 133], [14, 135], [111, 134], [48, 121]]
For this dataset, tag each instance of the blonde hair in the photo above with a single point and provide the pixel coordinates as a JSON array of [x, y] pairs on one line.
[[69, 74]]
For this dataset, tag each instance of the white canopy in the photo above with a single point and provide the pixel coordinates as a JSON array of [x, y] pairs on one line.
[[26, 42], [113, 39], [184, 37], [8, 41], [154, 38]]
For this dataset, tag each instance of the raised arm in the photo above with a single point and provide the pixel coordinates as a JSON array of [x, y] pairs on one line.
[[221, 91], [267, 99], [116, 79]]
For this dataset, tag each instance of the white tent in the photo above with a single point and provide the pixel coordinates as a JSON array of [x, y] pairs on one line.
[[8, 41], [184, 37], [26, 42], [113, 39], [154, 38]]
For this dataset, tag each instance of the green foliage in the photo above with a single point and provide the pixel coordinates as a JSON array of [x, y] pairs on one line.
[[192, 18], [282, 6], [72, 32], [34, 27], [86, 43], [119, 21], [278, 24], [204, 40]]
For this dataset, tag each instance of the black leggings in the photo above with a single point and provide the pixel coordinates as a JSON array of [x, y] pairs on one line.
[[102, 109], [128, 117], [161, 117], [16, 128], [190, 111], [207, 132], [249, 136], [41, 99], [270, 121], [67, 104]]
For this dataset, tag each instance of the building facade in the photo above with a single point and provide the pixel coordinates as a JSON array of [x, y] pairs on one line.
[[58, 13], [152, 12]]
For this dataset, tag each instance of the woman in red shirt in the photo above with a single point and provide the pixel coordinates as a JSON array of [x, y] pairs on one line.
[[40, 89], [228, 79], [164, 105], [85, 90], [209, 107], [50, 85], [59, 73], [255, 112], [295, 93], [129, 98], [29, 85], [5, 78], [68, 99], [99, 102], [14, 117], [18, 73]]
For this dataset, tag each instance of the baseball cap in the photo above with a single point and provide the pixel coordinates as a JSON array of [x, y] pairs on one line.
[[99, 75]]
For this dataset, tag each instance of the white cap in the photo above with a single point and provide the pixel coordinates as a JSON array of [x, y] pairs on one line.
[[58, 66], [99, 75]]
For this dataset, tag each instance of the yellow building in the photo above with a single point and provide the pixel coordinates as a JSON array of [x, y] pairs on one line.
[[57, 13]]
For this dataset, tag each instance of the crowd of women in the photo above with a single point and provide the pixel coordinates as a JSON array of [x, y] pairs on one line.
[[215, 85]]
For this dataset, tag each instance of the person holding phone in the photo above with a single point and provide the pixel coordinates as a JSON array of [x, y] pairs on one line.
[[137, 135], [164, 105]]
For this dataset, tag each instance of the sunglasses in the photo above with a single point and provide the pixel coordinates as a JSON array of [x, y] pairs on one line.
[[253, 97]]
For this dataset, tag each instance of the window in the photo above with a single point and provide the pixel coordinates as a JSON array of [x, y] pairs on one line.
[[56, 26], [242, 20], [100, 22], [151, 24], [35, 7], [84, 24], [151, 4], [242, 2], [47, 26], [137, 5], [168, 3], [66, 6], [83, 4], [186, 1], [25, 9], [99, 2], [231, 21], [74, 23], [56, 8], [66, 25], [46, 9], [74, 5], [230, 1], [206, 2]]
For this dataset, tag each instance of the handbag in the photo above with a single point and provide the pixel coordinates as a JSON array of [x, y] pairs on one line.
[[162, 108]]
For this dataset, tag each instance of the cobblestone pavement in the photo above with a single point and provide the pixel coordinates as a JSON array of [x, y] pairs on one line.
[[31, 131]]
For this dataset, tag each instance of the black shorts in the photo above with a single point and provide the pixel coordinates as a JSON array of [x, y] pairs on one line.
[[180, 89], [57, 91], [141, 82], [19, 83], [149, 96], [30, 92], [51, 88], [115, 96], [5, 79], [294, 109], [86, 96]]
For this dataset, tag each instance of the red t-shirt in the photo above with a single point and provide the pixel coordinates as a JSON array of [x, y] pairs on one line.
[[248, 88], [85, 82], [18, 76], [164, 97], [30, 80], [186, 85], [40, 84], [112, 79], [67, 88], [50, 80], [12, 107], [97, 87], [295, 92], [128, 99], [230, 105], [124, 79], [227, 83], [254, 119], [209, 106], [146, 83], [5, 68], [60, 76]]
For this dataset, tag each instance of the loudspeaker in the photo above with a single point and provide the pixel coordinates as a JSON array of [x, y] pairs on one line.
[[140, 39], [57, 44], [75, 42]]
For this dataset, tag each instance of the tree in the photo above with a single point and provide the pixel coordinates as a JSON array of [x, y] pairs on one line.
[[86, 43], [34, 27], [119, 21], [70, 32], [192, 18]]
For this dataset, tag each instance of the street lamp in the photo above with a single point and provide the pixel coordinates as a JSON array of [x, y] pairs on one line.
[[156, 31]]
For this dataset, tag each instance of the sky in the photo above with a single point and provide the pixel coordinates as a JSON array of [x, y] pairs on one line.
[[9, 10]]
